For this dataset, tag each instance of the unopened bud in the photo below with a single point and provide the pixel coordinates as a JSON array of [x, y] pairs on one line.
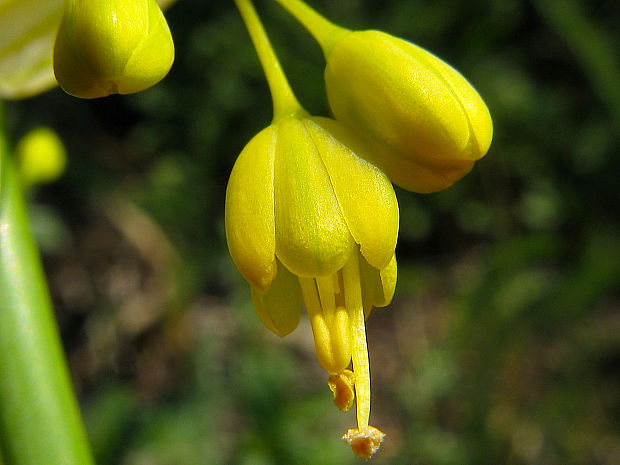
[[42, 157], [108, 47]]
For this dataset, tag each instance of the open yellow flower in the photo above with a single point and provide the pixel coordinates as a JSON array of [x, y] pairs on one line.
[[307, 220], [297, 214], [413, 115]]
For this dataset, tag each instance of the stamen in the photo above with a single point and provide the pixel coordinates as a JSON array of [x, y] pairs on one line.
[[331, 335], [342, 386]]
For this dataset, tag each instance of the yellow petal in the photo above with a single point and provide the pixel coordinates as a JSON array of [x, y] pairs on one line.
[[105, 47], [407, 174], [312, 237], [104, 33], [388, 275], [249, 217], [280, 307], [364, 192], [378, 286], [481, 125], [152, 58], [417, 177]]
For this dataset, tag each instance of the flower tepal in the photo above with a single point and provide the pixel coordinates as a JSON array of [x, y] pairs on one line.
[[108, 47]]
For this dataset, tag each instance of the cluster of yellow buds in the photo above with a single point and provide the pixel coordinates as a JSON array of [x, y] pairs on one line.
[[311, 214], [106, 47]]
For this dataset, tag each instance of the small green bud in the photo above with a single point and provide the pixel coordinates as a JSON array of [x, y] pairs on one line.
[[42, 157], [108, 47]]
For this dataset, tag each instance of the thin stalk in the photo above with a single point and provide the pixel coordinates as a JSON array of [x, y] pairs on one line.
[[40, 421], [284, 101], [324, 32]]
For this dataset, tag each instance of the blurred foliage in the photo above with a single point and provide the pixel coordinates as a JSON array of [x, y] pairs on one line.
[[503, 342]]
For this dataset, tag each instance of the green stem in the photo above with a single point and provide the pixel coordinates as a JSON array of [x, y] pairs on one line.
[[284, 101], [39, 418], [326, 33]]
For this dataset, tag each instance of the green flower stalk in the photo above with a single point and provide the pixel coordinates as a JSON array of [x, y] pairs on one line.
[[307, 220], [108, 47], [411, 114]]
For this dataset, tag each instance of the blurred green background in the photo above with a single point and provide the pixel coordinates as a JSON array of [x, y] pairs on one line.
[[502, 344]]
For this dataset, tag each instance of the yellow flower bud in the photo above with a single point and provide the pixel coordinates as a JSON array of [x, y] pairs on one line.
[[408, 112], [42, 157], [108, 47], [429, 123]]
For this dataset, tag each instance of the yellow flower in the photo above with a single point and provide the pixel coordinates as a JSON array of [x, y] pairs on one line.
[[297, 206], [308, 220], [108, 47], [413, 115]]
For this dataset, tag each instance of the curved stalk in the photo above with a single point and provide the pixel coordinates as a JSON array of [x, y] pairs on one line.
[[284, 101], [325, 32], [39, 418]]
